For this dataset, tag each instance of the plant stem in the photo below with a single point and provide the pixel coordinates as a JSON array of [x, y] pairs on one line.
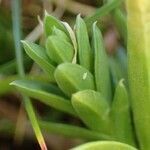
[[16, 17], [139, 67], [121, 23], [102, 11]]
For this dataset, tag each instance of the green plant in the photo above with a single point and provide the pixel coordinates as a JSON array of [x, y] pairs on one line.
[[80, 81], [81, 91]]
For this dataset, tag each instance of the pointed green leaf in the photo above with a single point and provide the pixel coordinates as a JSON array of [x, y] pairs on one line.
[[93, 109], [101, 66], [59, 50], [121, 116], [38, 54], [46, 93], [72, 131], [50, 22], [85, 55], [104, 145], [72, 78]]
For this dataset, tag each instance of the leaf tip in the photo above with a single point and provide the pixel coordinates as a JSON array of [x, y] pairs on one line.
[[12, 83], [22, 41], [46, 13], [121, 82], [79, 16]]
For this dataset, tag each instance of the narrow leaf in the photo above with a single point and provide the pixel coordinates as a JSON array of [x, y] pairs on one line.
[[84, 50], [38, 54], [46, 93], [72, 78], [101, 66], [93, 110]]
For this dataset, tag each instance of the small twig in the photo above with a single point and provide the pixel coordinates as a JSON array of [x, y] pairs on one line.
[[102, 11], [34, 34], [38, 30], [47, 5], [75, 7], [59, 11]]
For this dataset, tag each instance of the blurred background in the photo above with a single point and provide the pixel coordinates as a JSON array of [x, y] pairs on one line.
[[13, 134]]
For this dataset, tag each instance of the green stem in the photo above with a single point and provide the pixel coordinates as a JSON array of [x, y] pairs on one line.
[[139, 67], [121, 23], [102, 11], [16, 17]]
